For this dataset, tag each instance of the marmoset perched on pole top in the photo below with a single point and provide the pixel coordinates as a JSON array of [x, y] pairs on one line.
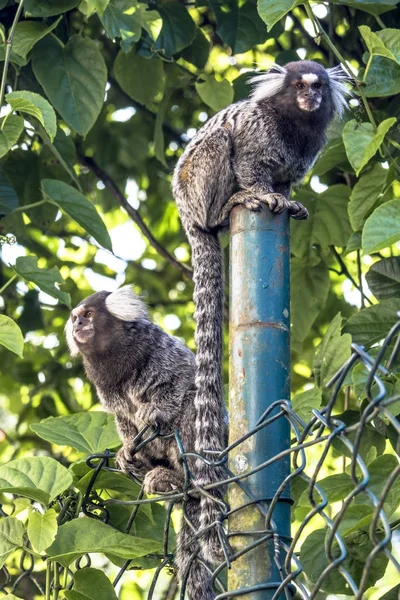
[[250, 153]]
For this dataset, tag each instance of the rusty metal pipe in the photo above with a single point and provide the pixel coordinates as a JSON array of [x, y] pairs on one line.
[[259, 376]]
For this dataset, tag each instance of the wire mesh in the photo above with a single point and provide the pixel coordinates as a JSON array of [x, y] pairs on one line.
[[341, 528]]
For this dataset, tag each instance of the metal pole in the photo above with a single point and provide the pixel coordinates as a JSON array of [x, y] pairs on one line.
[[259, 376]]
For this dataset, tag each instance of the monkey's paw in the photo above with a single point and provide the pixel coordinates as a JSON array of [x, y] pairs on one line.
[[298, 211], [127, 463], [277, 203], [159, 480]]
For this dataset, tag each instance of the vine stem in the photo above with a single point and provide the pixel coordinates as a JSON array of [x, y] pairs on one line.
[[29, 206], [9, 282], [48, 580], [8, 51], [321, 31]]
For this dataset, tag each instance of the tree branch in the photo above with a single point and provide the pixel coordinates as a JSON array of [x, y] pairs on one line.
[[344, 271], [134, 214]]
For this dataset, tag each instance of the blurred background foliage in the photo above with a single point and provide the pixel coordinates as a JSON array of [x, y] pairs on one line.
[[98, 99]]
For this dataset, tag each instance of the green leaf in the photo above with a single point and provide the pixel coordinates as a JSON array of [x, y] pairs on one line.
[[74, 78], [10, 133], [91, 584], [332, 352], [82, 536], [88, 432], [387, 45], [42, 529], [178, 28], [382, 228], [40, 478], [159, 146], [383, 78], [336, 487], [354, 242], [11, 335], [45, 279], [216, 94], [120, 21], [304, 402], [48, 8], [11, 597], [78, 208], [197, 53], [310, 287], [125, 19], [11, 537], [380, 470], [373, 323], [333, 157], [361, 141], [272, 11], [365, 194], [383, 278], [88, 7], [373, 7], [35, 105], [8, 196], [141, 78], [327, 225], [28, 33], [355, 517]]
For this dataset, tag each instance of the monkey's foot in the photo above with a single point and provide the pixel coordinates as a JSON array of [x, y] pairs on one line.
[[298, 211], [161, 479], [127, 463]]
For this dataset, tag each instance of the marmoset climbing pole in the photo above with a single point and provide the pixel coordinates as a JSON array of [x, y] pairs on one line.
[[259, 379]]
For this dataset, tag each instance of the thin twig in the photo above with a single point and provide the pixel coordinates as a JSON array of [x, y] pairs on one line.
[[8, 51], [134, 214], [360, 279], [345, 271]]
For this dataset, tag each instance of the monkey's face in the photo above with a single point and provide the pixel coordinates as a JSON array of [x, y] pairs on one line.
[[309, 93], [82, 318]]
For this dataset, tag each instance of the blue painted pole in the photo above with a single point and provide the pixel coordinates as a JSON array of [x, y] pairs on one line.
[[259, 376]]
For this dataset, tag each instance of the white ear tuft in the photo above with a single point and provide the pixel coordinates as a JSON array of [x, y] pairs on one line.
[[268, 84], [337, 79], [126, 305], [73, 348]]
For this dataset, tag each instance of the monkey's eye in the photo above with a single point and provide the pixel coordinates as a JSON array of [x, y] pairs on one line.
[[299, 85], [88, 314], [316, 85]]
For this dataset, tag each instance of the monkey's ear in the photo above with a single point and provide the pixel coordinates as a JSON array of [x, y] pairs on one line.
[[126, 305], [268, 84], [337, 79], [73, 348]]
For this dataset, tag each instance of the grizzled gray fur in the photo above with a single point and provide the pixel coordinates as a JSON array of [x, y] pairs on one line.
[[249, 153], [145, 377]]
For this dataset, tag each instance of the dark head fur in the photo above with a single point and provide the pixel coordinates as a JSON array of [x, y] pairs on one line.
[[302, 87]]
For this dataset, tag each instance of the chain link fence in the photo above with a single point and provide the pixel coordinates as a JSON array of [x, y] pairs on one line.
[[344, 482]]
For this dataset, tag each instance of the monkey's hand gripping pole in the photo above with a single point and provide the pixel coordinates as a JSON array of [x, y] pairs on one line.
[[259, 380]]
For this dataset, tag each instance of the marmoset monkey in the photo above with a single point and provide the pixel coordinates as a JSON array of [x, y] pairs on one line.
[[249, 153], [145, 377]]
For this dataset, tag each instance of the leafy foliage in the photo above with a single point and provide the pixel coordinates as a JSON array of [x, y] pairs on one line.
[[98, 99]]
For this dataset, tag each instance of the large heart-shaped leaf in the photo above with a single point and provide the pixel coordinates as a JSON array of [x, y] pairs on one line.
[[383, 278], [48, 8], [78, 208], [40, 478], [365, 193], [42, 529], [272, 11], [178, 28], [74, 78], [141, 78], [88, 432], [217, 94], [371, 324]]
